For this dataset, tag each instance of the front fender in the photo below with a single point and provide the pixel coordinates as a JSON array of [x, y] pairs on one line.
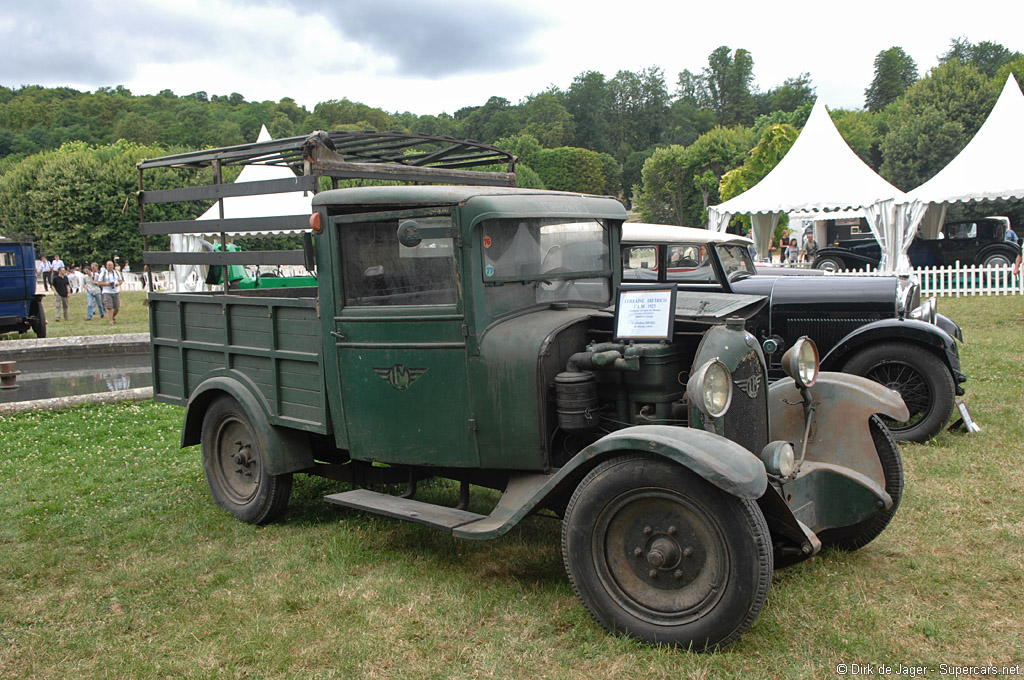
[[913, 331], [720, 461], [287, 450], [839, 434]]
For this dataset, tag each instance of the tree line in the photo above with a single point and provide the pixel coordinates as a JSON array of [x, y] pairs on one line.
[[67, 157]]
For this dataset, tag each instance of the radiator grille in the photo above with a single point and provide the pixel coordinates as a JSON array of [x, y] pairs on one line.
[[746, 422], [826, 333]]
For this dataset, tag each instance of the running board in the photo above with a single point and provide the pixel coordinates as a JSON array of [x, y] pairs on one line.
[[436, 516]]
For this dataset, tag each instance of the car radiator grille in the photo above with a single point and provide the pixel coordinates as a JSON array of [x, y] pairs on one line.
[[826, 333], [746, 422]]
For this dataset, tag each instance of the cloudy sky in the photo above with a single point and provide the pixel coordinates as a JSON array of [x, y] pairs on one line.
[[433, 56]]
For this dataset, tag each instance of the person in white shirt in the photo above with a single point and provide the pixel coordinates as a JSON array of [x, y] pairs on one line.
[[110, 280], [94, 297], [46, 269]]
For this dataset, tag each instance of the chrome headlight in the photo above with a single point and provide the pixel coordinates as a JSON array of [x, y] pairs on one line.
[[779, 458], [800, 362], [927, 311], [710, 388]]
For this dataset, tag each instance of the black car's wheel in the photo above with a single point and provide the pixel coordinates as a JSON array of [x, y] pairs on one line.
[[233, 462], [860, 534], [996, 260], [39, 318], [829, 263], [919, 376], [657, 553]]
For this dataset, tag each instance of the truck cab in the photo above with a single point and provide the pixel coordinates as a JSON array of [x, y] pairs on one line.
[[21, 307], [481, 334]]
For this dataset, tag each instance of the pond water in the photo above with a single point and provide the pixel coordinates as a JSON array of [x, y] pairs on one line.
[[70, 376]]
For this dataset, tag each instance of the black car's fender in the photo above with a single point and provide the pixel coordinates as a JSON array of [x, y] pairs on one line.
[[851, 258], [1009, 250], [950, 326], [929, 337]]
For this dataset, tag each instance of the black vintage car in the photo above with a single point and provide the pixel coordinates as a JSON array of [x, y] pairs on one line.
[[867, 325], [979, 241]]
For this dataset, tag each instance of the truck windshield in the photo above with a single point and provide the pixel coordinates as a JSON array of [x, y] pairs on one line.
[[541, 260]]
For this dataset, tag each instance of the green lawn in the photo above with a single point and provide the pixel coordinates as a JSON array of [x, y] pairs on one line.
[[115, 562], [133, 318]]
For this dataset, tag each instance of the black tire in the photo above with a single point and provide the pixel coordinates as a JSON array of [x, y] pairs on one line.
[[921, 378], [39, 320], [657, 553], [859, 535], [829, 263], [996, 260], [233, 463]]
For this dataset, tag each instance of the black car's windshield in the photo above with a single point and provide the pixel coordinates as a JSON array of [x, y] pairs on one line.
[[736, 261]]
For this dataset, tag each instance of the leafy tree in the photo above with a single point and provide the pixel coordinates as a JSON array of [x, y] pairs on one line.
[[71, 200], [497, 118], [933, 121], [570, 168], [774, 144], [987, 57], [548, 120], [680, 182], [895, 71], [667, 186], [632, 172], [638, 110], [711, 156], [791, 95], [860, 130], [728, 80], [589, 101]]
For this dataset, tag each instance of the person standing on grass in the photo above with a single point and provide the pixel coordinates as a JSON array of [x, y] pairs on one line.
[[61, 292], [110, 280], [46, 270], [92, 292]]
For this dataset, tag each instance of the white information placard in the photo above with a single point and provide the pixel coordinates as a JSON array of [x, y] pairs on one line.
[[645, 313]]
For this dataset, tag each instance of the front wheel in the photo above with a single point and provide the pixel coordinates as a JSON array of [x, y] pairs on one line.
[[657, 553], [919, 376], [859, 535], [234, 465]]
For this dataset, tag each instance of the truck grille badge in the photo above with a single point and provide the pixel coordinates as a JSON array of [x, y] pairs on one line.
[[751, 385]]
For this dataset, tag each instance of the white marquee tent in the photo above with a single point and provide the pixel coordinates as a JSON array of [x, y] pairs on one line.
[[819, 173], [989, 168], [288, 203]]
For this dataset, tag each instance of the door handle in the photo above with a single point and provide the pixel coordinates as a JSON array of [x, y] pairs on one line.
[[338, 335]]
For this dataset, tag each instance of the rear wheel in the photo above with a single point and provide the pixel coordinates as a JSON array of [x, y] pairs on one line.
[[39, 318], [234, 462], [657, 553], [919, 376], [860, 534], [829, 263], [996, 260]]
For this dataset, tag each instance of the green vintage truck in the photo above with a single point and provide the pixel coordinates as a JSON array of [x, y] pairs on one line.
[[479, 333]]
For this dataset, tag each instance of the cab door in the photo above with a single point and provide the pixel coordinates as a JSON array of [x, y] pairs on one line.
[[399, 333]]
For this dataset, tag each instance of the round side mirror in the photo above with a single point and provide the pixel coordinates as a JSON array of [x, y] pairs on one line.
[[409, 234]]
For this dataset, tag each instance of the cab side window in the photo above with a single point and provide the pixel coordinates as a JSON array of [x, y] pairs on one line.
[[380, 271], [8, 259]]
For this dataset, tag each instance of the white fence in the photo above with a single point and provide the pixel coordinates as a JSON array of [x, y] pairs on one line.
[[959, 280]]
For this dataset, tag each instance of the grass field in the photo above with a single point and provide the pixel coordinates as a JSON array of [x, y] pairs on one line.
[[133, 318], [115, 563]]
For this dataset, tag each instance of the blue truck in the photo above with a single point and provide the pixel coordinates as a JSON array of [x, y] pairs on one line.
[[21, 307]]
